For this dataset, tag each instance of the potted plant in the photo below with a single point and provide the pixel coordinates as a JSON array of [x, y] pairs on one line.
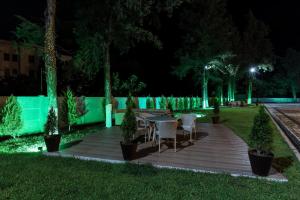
[[261, 139], [52, 138], [216, 117], [128, 127]]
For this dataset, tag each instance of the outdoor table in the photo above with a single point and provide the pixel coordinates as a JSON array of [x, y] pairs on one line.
[[156, 119]]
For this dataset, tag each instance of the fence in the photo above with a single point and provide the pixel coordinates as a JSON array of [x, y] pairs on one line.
[[35, 109]]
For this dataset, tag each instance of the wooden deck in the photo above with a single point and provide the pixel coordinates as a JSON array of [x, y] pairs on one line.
[[216, 150]]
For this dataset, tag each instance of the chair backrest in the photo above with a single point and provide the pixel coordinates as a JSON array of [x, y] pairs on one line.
[[167, 129], [188, 119]]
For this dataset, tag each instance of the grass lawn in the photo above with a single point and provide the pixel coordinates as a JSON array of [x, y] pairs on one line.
[[33, 176], [33, 143]]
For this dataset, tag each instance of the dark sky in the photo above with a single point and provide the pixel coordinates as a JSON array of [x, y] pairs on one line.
[[281, 16]]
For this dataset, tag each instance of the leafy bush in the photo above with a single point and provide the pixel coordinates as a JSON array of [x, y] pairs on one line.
[[10, 117], [132, 85], [261, 137], [51, 124], [149, 103], [71, 108], [192, 103], [163, 102], [198, 102], [130, 102], [171, 104], [186, 103], [180, 104], [129, 125]]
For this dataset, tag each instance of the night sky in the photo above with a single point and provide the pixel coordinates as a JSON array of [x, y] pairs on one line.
[[282, 17]]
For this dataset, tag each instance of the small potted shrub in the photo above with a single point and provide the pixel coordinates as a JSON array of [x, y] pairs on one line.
[[128, 127], [261, 139], [216, 117], [52, 138]]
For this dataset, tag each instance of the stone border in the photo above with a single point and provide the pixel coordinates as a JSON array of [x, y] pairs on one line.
[[285, 132], [57, 154]]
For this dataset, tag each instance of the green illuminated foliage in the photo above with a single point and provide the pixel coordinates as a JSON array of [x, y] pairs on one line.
[[130, 86], [186, 103], [180, 103], [51, 124], [131, 102], [198, 102], [149, 103], [192, 103], [29, 34], [10, 117], [261, 137], [72, 108], [171, 104], [129, 125], [163, 103]]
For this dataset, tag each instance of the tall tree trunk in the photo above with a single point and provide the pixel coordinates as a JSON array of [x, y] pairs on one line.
[[229, 91], [231, 88], [249, 98], [204, 90], [107, 87], [50, 55], [220, 94]]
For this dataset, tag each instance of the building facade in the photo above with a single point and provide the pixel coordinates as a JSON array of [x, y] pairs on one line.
[[16, 61]]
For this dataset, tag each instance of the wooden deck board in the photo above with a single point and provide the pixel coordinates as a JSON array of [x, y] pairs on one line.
[[216, 149]]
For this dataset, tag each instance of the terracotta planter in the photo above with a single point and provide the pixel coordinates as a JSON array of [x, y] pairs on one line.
[[215, 119], [52, 142], [260, 164], [128, 150]]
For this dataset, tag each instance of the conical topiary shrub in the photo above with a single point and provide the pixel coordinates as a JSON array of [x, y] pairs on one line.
[[72, 108], [52, 137], [261, 139], [10, 117], [128, 127]]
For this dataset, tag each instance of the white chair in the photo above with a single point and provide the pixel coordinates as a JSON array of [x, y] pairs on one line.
[[189, 124], [144, 123], [166, 130]]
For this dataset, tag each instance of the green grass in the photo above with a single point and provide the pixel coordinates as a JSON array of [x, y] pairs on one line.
[[33, 143], [33, 176]]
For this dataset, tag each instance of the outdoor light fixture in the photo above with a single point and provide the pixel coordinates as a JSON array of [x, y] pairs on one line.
[[252, 69]]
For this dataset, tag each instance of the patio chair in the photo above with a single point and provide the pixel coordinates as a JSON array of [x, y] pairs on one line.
[[144, 123], [189, 124], [166, 130]]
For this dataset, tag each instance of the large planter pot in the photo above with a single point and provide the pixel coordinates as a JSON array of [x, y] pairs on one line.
[[215, 119], [128, 150], [260, 164], [52, 142]]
